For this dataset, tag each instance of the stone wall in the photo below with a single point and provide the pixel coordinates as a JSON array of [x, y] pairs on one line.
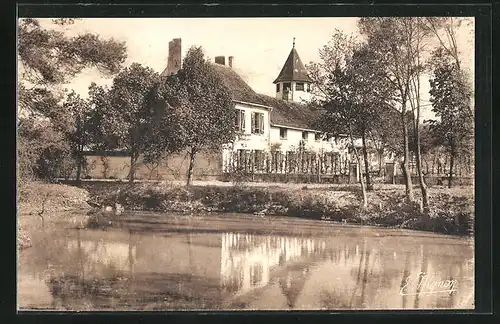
[[207, 166]]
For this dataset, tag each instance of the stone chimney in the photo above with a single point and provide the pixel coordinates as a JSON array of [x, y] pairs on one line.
[[230, 61], [220, 60], [174, 56]]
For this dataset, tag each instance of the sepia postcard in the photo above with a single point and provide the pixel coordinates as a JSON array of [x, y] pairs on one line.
[[222, 164]]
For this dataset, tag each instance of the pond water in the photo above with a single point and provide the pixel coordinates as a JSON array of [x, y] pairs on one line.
[[153, 261]]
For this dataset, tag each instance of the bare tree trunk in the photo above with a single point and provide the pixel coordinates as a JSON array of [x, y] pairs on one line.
[[452, 162], [369, 185], [423, 186], [361, 180], [406, 157], [192, 155], [133, 160], [79, 162], [79, 148]]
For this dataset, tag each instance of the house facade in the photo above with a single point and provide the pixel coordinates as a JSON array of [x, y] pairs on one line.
[[275, 134]]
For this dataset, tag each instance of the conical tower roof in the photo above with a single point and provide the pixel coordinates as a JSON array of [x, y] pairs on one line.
[[293, 70]]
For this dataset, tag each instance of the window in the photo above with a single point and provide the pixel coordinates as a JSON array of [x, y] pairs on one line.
[[257, 123], [282, 133], [304, 136], [299, 87], [287, 86], [309, 87], [317, 137], [239, 120], [278, 87]]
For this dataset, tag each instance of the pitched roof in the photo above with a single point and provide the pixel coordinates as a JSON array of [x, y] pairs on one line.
[[293, 70], [284, 113]]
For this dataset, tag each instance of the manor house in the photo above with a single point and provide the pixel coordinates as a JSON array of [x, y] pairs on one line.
[[281, 124]]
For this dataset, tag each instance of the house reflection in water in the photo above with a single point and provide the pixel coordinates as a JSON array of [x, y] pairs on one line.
[[247, 260]]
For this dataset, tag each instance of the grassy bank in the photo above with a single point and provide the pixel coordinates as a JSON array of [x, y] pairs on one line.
[[452, 210], [41, 205]]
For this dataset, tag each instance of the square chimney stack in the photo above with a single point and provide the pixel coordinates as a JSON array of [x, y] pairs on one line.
[[230, 61], [220, 60], [174, 57]]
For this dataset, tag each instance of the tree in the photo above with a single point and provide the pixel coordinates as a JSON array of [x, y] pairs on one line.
[[352, 90], [445, 30], [420, 35], [79, 134], [165, 132], [429, 146], [392, 40], [354, 95], [48, 58], [125, 113], [383, 137], [374, 97], [451, 98], [203, 106]]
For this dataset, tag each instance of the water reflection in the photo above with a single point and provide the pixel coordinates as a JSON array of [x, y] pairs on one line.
[[94, 269], [111, 255], [312, 273], [247, 260], [371, 279]]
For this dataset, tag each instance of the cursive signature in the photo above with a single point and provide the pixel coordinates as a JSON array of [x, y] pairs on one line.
[[424, 284]]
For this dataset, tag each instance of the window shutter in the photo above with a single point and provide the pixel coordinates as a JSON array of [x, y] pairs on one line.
[[253, 122], [242, 120], [261, 119]]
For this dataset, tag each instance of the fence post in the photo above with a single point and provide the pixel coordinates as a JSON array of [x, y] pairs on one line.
[[280, 159], [287, 162], [268, 163], [319, 167], [302, 162], [252, 163]]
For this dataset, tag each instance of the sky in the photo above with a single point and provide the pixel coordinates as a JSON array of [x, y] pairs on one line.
[[259, 46]]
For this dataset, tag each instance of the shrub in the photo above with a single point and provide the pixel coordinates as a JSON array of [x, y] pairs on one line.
[[448, 213]]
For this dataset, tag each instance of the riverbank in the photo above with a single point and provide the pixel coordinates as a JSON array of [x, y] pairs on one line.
[[452, 210], [43, 204]]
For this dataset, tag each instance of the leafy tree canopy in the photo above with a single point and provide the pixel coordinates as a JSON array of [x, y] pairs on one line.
[[51, 57], [203, 104]]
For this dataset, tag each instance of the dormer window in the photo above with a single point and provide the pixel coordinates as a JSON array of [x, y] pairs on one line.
[[287, 86], [299, 86], [277, 87]]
